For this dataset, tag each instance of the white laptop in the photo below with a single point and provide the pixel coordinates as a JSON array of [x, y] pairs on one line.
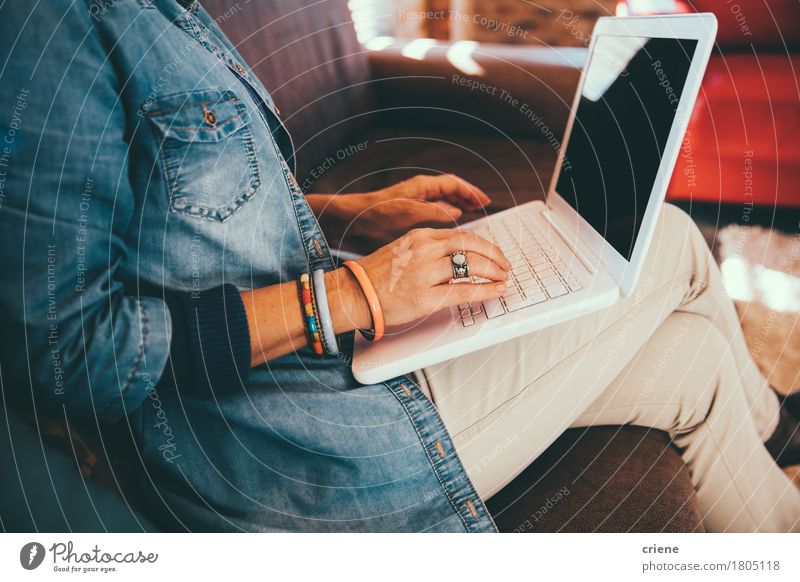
[[584, 247]]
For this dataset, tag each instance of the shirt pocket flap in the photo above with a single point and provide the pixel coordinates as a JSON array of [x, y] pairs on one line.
[[198, 116]]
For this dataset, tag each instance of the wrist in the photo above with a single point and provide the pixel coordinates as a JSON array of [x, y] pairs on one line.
[[349, 309]]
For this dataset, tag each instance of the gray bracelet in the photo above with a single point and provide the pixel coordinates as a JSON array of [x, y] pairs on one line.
[[324, 313]]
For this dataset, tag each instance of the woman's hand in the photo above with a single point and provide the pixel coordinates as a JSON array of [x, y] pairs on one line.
[[375, 218], [412, 277]]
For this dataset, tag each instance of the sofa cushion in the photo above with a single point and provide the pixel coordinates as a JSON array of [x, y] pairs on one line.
[[523, 91], [53, 480], [601, 479]]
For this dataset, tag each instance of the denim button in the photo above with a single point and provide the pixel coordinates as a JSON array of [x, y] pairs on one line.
[[471, 507], [318, 248]]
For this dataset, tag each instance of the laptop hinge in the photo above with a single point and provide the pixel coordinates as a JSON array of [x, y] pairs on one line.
[[589, 260]]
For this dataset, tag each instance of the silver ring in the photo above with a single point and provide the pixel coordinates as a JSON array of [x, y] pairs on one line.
[[458, 261]]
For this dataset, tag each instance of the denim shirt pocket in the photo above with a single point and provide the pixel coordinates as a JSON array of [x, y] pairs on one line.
[[206, 151]]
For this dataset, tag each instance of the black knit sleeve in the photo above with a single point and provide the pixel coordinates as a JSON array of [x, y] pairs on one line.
[[210, 345]]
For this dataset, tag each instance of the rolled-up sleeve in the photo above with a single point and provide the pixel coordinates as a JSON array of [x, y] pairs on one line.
[[72, 336]]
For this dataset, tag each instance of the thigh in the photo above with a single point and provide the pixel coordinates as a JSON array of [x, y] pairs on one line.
[[520, 395], [671, 382], [579, 357]]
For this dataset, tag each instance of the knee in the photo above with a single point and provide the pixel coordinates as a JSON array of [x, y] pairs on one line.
[[677, 223], [673, 215], [708, 381], [678, 246]]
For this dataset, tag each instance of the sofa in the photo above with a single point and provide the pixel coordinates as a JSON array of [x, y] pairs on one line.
[[362, 118]]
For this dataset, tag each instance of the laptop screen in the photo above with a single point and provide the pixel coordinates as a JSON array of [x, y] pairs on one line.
[[627, 106]]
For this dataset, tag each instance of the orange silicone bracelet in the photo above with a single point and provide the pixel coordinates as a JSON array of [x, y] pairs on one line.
[[375, 308]]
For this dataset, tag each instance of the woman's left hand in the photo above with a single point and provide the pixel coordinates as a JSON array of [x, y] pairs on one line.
[[374, 218]]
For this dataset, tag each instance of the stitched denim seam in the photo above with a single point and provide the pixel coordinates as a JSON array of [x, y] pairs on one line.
[[217, 127], [187, 104], [144, 326], [429, 408], [299, 198], [203, 34], [301, 223], [428, 454], [241, 110]]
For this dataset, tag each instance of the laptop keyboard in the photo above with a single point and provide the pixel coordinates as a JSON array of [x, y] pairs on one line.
[[537, 273]]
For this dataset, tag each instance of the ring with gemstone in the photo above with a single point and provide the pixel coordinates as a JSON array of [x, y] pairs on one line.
[[458, 261]]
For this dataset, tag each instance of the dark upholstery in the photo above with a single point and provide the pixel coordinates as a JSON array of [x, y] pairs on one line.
[[43, 488], [602, 479], [516, 88]]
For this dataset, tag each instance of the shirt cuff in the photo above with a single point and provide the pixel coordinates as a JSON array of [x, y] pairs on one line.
[[209, 350]]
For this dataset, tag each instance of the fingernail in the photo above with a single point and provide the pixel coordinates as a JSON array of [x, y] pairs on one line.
[[501, 287]]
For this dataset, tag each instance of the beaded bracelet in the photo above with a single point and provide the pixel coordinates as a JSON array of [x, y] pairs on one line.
[[309, 314]]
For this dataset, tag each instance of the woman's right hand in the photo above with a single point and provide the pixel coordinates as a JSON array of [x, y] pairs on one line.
[[412, 276]]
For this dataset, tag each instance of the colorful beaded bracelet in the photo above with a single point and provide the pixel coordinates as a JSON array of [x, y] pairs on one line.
[[309, 314]]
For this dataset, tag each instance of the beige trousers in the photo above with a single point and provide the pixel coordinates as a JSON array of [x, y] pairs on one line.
[[670, 356]]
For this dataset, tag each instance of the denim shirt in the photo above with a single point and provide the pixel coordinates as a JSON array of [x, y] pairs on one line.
[[140, 156]]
